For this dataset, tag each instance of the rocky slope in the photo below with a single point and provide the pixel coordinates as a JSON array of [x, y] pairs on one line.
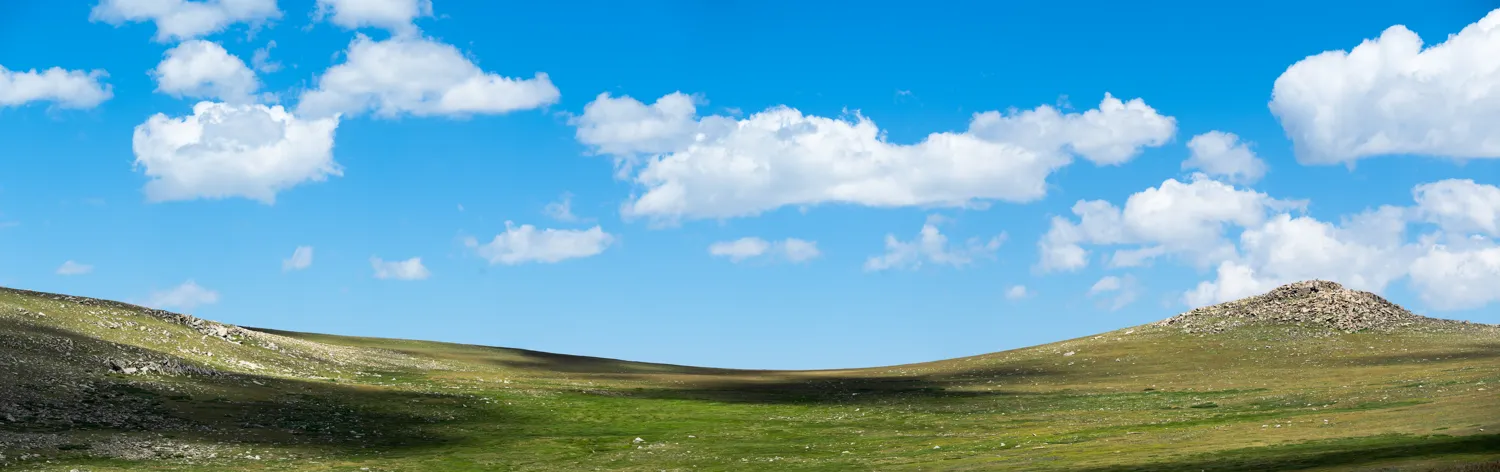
[[1313, 303]]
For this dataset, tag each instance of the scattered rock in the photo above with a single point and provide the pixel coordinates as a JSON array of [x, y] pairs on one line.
[[1311, 302], [165, 366]]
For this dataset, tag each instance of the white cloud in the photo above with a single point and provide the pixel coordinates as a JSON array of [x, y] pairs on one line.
[[561, 210], [1458, 279], [1369, 250], [1460, 205], [1173, 218], [797, 250], [262, 59], [395, 16], [74, 268], [1111, 134], [524, 244], [1234, 281], [721, 166], [410, 269], [421, 77], [1017, 292], [66, 88], [203, 69], [223, 151], [1390, 96], [1108, 283], [185, 19], [1366, 251], [792, 249], [739, 249], [624, 126], [931, 246], [1136, 257], [187, 296], [1222, 154], [1125, 291], [1287, 249], [301, 259]]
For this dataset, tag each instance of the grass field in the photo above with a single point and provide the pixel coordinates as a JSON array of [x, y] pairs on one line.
[[1282, 397]]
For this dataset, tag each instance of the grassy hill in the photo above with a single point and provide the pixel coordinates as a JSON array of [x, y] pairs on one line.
[[1341, 382]]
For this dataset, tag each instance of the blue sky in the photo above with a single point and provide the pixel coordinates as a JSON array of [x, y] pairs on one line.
[[413, 129]]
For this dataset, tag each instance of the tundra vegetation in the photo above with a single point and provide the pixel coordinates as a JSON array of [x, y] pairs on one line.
[[1309, 376]]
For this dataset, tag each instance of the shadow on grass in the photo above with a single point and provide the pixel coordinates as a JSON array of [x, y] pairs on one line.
[[1470, 352], [1355, 452], [827, 388], [59, 382], [501, 357], [1488, 466]]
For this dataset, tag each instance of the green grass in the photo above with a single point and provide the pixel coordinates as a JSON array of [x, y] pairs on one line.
[[1147, 398]]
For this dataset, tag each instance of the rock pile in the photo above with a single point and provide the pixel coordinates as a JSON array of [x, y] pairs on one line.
[[1311, 302], [164, 366]]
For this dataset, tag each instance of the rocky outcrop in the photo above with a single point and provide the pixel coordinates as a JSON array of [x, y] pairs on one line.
[[227, 332], [165, 366], [1313, 302]]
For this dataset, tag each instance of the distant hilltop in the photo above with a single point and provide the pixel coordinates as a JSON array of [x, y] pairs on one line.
[[1318, 303]]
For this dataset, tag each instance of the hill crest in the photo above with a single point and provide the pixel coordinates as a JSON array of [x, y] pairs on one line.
[[1310, 302]]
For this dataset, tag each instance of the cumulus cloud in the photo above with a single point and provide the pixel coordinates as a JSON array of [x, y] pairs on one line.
[[301, 258], [1288, 249], [1304, 248], [395, 16], [410, 269], [1107, 284], [561, 210], [65, 88], [1449, 279], [624, 126], [185, 19], [931, 246], [420, 77], [1186, 218], [1277, 243], [74, 268], [797, 250], [527, 244], [187, 296], [262, 59], [1233, 281], [1369, 251], [1221, 154], [224, 151], [1111, 134], [1017, 292], [1364, 252], [1124, 291], [739, 249], [1460, 206], [1389, 95], [718, 166], [791, 249], [203, 69]]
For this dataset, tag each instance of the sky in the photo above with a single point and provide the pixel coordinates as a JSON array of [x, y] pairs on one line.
[[744, 184]]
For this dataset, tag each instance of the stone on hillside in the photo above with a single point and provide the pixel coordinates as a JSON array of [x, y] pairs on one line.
[[1310, 302]]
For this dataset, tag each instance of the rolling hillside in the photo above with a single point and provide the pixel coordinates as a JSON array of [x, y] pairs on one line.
[[1310, 376]]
